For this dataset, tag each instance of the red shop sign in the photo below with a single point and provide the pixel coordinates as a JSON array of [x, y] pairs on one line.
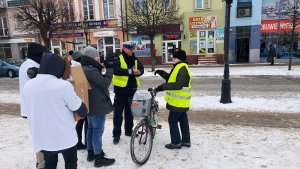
[[272, 26]]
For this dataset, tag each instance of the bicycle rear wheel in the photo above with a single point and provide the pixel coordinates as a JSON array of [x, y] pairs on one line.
[[141, 143]]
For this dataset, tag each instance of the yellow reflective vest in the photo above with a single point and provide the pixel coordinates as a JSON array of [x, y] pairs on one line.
[[121, 81], [179, 98]]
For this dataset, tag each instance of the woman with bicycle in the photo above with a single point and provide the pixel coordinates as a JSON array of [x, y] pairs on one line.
[[178, 96]]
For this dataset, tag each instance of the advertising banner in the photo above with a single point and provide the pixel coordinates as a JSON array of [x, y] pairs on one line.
[[142, 45], [272, 26], [202, 22], [220, 35]]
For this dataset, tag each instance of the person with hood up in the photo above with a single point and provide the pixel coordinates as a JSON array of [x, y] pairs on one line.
[[178, 98], [99, 105], [49, 102], [29, 70]]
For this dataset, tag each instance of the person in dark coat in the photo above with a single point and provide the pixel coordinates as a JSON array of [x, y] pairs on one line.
[[272, 54], [127, 69], [99, 105], [178, 87]]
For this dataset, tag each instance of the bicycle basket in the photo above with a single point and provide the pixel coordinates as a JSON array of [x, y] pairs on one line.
[[141, 103]]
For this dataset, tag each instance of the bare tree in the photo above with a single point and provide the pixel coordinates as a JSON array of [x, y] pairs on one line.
[[149, 17], [45, 17], [293, 14]]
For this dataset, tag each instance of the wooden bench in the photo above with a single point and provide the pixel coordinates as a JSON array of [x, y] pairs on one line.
[[207, 60]]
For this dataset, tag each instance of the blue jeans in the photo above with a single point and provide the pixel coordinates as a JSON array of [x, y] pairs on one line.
[[174, 118], [95, 132]]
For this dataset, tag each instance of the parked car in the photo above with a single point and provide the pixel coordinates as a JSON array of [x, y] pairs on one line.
[[8, 70]]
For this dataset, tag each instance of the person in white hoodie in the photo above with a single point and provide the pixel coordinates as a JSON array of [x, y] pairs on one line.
[[29, 70], [50, 102]]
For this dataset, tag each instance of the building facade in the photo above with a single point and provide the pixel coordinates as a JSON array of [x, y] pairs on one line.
[[244, 46], [99, 25], [203, 29], [13, 41], [201, 33], [276, 29]]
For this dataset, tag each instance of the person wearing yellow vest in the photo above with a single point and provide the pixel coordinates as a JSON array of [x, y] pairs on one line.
[[178, 98], [127, 69]]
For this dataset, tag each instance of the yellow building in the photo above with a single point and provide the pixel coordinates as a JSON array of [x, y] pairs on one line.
[[201, 33]]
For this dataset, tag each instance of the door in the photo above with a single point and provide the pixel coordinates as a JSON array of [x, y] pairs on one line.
[[169, 49], [242, 50]]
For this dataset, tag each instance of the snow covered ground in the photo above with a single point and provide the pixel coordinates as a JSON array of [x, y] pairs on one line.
[[213, 146]]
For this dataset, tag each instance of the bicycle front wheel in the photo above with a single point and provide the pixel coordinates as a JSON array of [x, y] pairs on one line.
[[141, 143]]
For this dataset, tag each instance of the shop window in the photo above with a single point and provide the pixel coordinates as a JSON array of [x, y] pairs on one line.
[[80, 44], [23, 47], [108, 9], [109, 46], [282, 44], [206, 42], [5, 51], [3, 27], [202, 4], [58, 46], [88, 9]]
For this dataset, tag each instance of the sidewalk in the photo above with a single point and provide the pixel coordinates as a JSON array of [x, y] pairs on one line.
[[278, 62]]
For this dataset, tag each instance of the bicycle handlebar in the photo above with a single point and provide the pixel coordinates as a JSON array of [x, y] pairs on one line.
[[152, 91]]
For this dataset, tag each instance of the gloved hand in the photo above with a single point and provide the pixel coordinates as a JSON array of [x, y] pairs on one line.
[[158, 72], [151, 89], [32, 72], [158, 89]]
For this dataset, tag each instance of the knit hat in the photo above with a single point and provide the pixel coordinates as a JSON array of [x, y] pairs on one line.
[[76, 56], [52, 64], [90, 52], [180, 54], [35, 52]]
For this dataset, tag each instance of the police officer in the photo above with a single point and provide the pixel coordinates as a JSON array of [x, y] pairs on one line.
[[127, 69], [178, 98]]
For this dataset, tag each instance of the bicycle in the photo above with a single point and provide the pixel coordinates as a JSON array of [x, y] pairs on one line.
[[143, 134]]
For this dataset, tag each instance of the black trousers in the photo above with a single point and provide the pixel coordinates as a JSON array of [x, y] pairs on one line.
[[69, 154], [182, 118], [79, 127], [121, 102]]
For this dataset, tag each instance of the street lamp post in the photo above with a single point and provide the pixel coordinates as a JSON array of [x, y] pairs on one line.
[[85, 26], [226, 88]]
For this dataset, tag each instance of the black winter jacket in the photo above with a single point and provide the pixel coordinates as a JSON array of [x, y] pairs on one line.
[[99, 98], [131, 87], [182, 80]]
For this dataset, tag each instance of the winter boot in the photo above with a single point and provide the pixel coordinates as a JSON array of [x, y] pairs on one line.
[[90, 156], [101, 161], [173, 146], [80, 146]]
